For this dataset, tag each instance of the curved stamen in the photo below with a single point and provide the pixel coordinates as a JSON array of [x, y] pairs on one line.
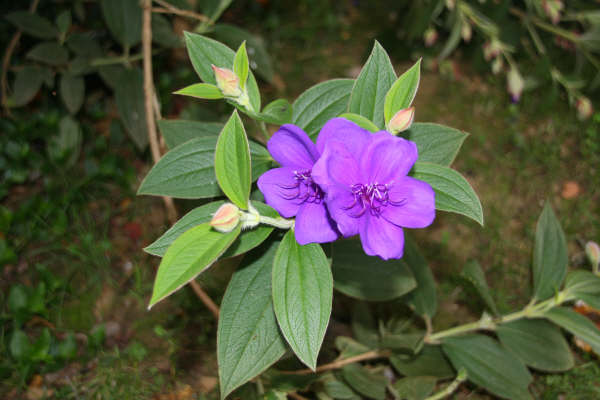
[[304, 189], [374, 196]]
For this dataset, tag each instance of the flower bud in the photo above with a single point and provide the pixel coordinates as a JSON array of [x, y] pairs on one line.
[[592, 251], [515, 84], [226, 218], [227, 81], [450, 4], [466, 32], [402, 120], [497, 65], [584, 108], [491, 49], [430, 37], [553, 8]]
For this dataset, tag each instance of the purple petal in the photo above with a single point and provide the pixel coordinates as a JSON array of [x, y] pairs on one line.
[[291, 147], [340, 129], [314, 225], [277, 185], [387, 158], [342, 208], [336, 166], [381, 238], [416, 203]]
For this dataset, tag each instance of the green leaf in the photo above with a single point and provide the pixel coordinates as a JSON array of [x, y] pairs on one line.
[[191, 254], [423, 299], [277, 112], [402, 92], [201, 91], [577, 324], [215, 8], [365, 382], [436, 143], [429, 362], [248, 338], [33, 24], [371, 86], [338, 389], [454, 38], [72, 91], [489, 365], [364, 326], [368, 278], [247, 240], [474, 274], [349, 347], [17, 299], [408, 342], [415, 387], [320, 103], [360, 121], [584, 285], [50, 53], [63, 21], [204, 51], [84, 44], [241, 65], [124, 20], [19, 346], [41, 346], [28, 82], [302, 296], [538, 343], [66, 145], [452, 191], [179, 131], [163, 34], [549, 255], [232, 162], [129, 96]]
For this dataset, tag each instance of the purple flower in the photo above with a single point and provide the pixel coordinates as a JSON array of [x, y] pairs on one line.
[[291, 190], [368, 192]]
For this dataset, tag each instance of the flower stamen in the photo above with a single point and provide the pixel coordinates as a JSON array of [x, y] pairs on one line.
[[374, 196], [304, 189]]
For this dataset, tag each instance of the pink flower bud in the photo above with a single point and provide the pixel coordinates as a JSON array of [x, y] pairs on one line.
[[466, 32], [491, 49], [227, 81], [584, 108], [553, 8], [430, 37], [497, 65], [402, 120], [592, 251], [226, 218], [515, 84]]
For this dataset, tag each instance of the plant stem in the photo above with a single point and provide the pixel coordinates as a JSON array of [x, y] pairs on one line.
[[448, 390], [280, 223], [124, 59], [370, 355]]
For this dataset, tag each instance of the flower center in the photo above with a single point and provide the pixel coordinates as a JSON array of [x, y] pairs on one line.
[[304, 189], [374, 197]]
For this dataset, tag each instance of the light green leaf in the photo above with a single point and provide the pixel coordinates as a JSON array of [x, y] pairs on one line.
[[124, 20], [423, 299], [72, 91], [320, 103], [368, 278], [436, 143], [277, 112], [371, 86], [474, 274], [452, 191], [489, 365], [33, 24], [241, 65], [50, 53], [232, 162], [248, 338], [360, 121], [549, 255], [577, 324], [365, 382], [415, 387], [402, 92], [179, 131], [191, 254], [584, 285], [201, 91], [129, 96], [538, 343], [429, 362], [302, 296]]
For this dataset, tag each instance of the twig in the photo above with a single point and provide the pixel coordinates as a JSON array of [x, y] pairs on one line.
[[448, 390], [171, 9], [370, 355], [7, 56], [205, 298]]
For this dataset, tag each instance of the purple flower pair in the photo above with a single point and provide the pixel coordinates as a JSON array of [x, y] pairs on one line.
[[351, 182]]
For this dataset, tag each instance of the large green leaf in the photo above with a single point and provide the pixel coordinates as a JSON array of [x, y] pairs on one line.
[[204, 51], [429, 362], [402, 92], [365, 382], [248, 339], [50, 53], [489, 365], [368, 278], [189, 255], [302, 296], [577, 324], [414, 387], [232, 162], [72, 91], [549, 255], [124, 20], [423, 298], [277, 112], [473, 273], [371, 86], [452, 191], [33, 24], [129, 96], [179, 131], [584, 285], [436, 143], [320, 103], [247, 240], [538, 343]]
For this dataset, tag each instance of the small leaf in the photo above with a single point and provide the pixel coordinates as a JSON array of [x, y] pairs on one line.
[[240, 64], [371, 86], [28, 82], [349, 347], [402, 92], [577, 324], [19, 346], [364, 326], [549, 255], [50, 53], [129, 96], [423, 299], [452, 191], [66, 145], [368, 278], [436, 143], [302, 296], [429, 362], [232, 162], [415, 387], [248, 338], [360, 121], [489, 365], [474, 274], [584, 285], [33, 24], [407, 342], [338, 389], [124, 20], [538, 343], [320, 103], [63, 21], [191, 254], [368, 384], [72, 91], [179, 131], [277, 112], [201, 91]]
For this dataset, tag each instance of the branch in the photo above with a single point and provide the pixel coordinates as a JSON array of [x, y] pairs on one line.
[[168, 8], [370, 355]]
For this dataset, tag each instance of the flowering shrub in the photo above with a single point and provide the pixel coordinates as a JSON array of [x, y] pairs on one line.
[[346, 160]]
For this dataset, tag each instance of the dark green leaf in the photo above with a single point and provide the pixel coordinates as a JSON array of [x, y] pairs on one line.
[[277, 112], [474, 274], [50, 53], [423, 298], [84, 45], [28, 82], [163, 33], [368, 384], [179, 131], [63, 21], [349, 347], [66, 145], [415, 387], [364, 326], [201, 91], [124, 20], [129, 96], [72, 91], [17, 298], [436, 143], [407, 342], [402, 92], [33, 24], [19, 346], [429, 362], [338, 389], [577, 324]]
